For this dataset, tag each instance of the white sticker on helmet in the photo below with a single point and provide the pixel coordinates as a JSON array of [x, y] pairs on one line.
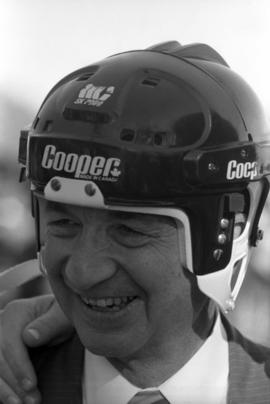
[[94, 96], [242, 170]]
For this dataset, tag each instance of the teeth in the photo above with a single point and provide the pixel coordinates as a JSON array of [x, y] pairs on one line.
[[109, 302]]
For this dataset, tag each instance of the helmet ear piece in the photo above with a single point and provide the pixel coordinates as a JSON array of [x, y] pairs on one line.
[[223, 286]]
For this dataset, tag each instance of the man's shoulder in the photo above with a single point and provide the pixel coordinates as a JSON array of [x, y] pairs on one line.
[[249, 368], [243, 347]]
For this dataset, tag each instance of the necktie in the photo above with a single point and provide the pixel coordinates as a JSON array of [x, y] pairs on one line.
[[149, 397]]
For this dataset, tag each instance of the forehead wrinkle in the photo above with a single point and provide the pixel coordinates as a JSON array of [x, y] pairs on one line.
[[146, 218], [52, 206], [66, 208]]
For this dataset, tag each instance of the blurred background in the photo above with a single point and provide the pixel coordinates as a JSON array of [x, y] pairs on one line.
[[41, 41]]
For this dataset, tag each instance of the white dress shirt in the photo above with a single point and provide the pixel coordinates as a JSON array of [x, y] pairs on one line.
[[203, 379]]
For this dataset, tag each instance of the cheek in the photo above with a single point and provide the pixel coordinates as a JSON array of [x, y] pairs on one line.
[[56, 254], [168, 291], [157, 267], [56, 258]]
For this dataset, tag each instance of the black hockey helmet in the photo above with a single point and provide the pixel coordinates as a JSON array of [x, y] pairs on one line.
[[169, 130]]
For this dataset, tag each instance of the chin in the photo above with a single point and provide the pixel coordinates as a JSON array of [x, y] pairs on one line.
[[109, 346]]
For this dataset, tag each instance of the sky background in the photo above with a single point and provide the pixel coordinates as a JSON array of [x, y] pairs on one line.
[[42, 40]]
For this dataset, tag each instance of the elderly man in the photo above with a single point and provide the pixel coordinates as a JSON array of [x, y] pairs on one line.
[[148, 175]]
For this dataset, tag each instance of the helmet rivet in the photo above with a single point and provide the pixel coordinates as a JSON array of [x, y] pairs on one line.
[[222, 238], [89, 190], [56, 185], [224, 223], [217, 254], [259, 236], [243, 153], [229, 305], [212, 167]]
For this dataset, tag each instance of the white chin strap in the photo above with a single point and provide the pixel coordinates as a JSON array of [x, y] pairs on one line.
[[223, 286], [218, 285]]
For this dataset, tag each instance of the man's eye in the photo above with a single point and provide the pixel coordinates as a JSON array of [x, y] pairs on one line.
[[64, 222], [129, 230], [130, 236], [63, 227]]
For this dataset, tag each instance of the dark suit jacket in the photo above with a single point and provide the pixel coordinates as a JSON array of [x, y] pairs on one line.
[[59, 371]]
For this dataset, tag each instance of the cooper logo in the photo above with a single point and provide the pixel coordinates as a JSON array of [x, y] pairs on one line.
[[83, 166], [242, 170]]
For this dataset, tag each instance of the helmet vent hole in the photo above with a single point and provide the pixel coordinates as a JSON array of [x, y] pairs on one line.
[[151, 82], [48, 126], [86, 116], [85, 76], [127, 135], [160, 139]]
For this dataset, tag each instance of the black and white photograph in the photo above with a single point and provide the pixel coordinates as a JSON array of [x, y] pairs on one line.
[[134, 202]]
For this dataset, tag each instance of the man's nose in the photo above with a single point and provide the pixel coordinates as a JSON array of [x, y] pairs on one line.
[[90, 263]]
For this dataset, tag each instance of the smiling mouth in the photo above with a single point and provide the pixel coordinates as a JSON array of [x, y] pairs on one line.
[[108, 303]]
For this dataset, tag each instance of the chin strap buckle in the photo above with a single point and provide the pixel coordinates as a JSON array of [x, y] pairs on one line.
[[259, 237], [229, 305]]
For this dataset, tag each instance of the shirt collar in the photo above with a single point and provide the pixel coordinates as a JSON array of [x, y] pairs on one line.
[[204, 377]]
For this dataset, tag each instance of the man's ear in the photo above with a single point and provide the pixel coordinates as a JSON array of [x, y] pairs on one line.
[[239, 224]]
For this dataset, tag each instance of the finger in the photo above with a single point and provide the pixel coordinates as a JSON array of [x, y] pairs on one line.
[[50, 328], [9, 378], [24, 390], [7, 395], [16, 316], [16, 356], [13, 319]]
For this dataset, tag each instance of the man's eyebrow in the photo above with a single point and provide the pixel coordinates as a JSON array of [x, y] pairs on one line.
[[125, 215], [56, 207], [52, 206], [147, 219], [133, 215]]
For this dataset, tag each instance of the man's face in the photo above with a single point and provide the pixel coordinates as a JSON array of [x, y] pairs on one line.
[[118, 277]]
